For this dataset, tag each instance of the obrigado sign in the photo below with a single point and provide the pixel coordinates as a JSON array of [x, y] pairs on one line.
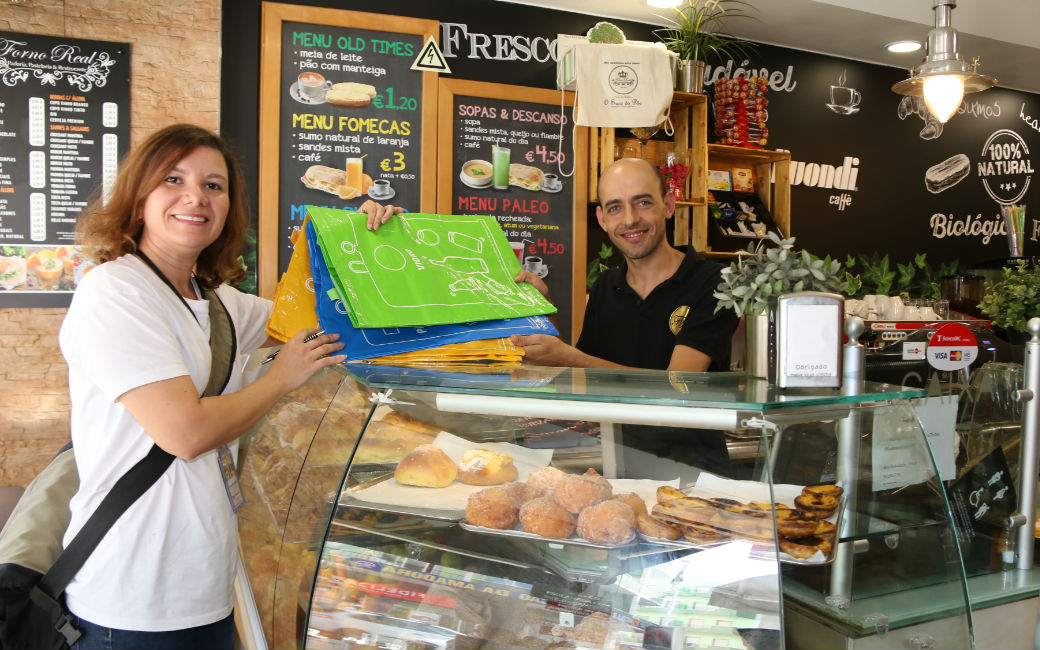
[[952, 347]]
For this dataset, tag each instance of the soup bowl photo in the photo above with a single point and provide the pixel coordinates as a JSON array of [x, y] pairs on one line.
[[476, 173]]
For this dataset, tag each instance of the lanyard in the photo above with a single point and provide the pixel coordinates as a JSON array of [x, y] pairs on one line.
[[166, 280]]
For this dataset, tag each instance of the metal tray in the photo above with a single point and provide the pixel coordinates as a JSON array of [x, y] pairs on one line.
[[523, 534]]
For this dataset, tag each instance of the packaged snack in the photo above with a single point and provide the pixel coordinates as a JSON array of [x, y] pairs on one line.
[[743, 180], [719, 179]]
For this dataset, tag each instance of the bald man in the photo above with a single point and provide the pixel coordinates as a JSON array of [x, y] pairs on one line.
[[657, 310]]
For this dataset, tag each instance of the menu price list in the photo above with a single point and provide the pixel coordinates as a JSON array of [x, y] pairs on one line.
[[508, 157], [351, 121], [63, 129]]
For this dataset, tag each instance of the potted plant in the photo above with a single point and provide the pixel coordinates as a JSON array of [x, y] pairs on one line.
[[1013, 299], [695, 32], [752, 282]]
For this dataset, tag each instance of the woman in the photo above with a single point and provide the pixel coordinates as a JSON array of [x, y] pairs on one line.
[[136, 339]]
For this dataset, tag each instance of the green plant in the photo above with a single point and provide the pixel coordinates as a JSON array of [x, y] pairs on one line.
[[914, 279], [696, 30], [754, 279], [1013, 299], [598, 264]]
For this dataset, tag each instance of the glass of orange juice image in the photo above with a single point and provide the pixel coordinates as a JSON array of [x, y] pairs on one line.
[[48, 269], [354, 173], [67, 255]]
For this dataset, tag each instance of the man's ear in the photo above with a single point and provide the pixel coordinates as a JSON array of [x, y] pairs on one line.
[[669, 204], [599, 218]]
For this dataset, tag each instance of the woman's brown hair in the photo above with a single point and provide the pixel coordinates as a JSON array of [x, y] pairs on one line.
[[110, 229]]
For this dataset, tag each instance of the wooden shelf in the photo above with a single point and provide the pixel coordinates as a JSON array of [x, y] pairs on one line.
[[689, 113]]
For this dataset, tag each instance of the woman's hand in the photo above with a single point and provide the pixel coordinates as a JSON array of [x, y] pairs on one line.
[[299, 358], [378, 214], [537, 282]]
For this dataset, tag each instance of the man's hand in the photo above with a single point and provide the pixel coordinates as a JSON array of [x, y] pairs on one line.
[[534, 280], [378, 214], [545, 350]]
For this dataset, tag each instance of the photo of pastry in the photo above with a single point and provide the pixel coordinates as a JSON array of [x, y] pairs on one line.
[[350, 94], [339, 182], [12, 270]]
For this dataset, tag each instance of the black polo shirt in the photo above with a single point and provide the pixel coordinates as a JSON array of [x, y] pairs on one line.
[[623, 328]]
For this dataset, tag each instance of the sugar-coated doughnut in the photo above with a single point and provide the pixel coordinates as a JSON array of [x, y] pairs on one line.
[[492, 508], [545, 478], [543, 516], [576, 493], [522, 492], [633, 500], [607, 522]]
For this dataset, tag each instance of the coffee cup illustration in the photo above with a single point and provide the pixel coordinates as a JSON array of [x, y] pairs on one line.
[[844, 100], [313, 86], [551, 182], [380, 187], [535, 265]]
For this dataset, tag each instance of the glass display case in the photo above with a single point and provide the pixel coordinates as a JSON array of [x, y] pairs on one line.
[[834, 508]]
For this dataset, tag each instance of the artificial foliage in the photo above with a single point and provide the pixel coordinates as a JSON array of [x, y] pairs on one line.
[[752, 281], [1014, 298]]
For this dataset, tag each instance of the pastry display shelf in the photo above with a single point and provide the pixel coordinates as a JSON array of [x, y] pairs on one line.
[[337, 564]]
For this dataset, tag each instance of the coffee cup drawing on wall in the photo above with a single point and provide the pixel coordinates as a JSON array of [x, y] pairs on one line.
[[908, 106], [844, 100]]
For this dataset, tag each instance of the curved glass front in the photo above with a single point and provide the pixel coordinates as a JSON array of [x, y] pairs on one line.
[[365, 560]]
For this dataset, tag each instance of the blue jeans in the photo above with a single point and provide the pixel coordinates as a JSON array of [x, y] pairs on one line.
[[215, 636]]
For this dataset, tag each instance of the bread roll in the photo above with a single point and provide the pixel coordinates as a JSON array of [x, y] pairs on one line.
[[426, 466], [350, 94], [486, 467]]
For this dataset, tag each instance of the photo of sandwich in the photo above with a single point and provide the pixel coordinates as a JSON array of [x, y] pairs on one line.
[[12, 272], [350, 94], [334, 181], [525, 176]]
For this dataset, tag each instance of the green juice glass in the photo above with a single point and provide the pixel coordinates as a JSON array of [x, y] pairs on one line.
[[499, 167]]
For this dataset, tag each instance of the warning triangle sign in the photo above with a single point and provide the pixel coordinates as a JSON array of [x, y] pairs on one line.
[[431, 59]]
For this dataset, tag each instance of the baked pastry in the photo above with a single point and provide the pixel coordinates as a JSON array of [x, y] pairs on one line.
[[666, 493], [654, 527], [633, 500], [486, 467], [522, 492], [525, 176], [820, 506], [825, 529], [607, 522], [702, 535], [824, 489], [545, 478], [543, 516], [492, 508], [795, 523], [575, 493], [804, 548], [387, 443], [426, 466], [401, 420]]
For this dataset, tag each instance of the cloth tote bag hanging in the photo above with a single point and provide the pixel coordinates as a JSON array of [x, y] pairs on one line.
[[622, 85]]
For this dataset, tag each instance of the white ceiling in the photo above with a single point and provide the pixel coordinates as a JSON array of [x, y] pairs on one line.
[[1004, 34]]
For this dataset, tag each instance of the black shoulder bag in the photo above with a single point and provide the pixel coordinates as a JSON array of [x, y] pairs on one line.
[[32, 606]]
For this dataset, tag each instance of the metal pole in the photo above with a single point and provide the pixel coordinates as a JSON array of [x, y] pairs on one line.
[[853, 376], [1027, 469]]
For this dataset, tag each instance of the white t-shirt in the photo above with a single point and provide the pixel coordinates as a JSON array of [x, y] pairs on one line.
[[167, 563]]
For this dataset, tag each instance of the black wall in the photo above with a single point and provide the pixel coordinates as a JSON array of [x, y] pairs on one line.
[[881, 148]]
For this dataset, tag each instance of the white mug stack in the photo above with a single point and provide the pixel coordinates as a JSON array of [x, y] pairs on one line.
[[874, 307]]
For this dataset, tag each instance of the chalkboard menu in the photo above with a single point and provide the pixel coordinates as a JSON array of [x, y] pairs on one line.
[[508, 152], [64, 124], [343, 120]]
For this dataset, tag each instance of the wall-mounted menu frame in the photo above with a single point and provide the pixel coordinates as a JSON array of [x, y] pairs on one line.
[[500, 152], [64, 125], [381, 112]]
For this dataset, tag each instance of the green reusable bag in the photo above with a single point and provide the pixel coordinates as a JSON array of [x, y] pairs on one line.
[[424, 269]]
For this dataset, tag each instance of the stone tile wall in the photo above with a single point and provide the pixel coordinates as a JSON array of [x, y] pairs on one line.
[[175, 77]]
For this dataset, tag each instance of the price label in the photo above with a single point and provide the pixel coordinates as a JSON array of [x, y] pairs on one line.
[[393, 164], [952, 347], [391, 101], [545, 155]]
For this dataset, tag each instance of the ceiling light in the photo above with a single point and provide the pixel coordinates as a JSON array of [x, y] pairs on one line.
[[902, 47], [943, 78], [664, 3]]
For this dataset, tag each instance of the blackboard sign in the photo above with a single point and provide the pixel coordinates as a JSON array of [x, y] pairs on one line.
[[345, 119], [64, 125], [507, 151]]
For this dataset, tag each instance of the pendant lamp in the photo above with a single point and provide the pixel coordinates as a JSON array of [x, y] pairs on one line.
[[943, 78]]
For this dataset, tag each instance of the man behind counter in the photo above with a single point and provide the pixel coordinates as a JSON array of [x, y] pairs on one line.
[[656, 311]]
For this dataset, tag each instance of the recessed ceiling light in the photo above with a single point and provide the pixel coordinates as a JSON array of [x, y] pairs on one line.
[[902, 47], [664, 3]]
